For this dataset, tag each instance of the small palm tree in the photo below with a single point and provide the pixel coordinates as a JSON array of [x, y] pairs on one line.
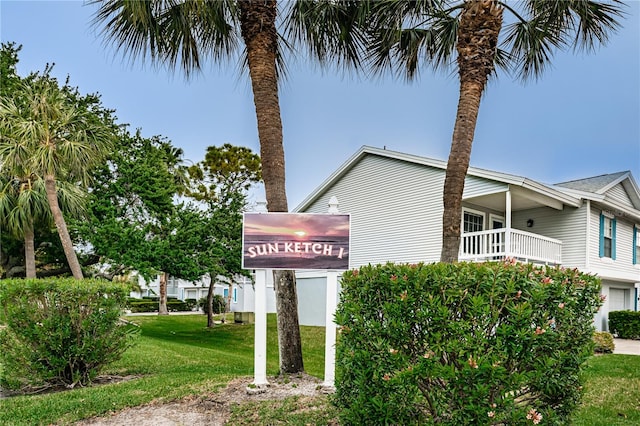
[[471, 35], [23, 204], [53, 133]]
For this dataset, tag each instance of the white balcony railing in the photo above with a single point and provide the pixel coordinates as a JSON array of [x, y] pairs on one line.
[[524, 246]]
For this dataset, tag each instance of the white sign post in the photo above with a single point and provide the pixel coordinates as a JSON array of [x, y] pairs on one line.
[[330, 331], [329, 323], [260, 343]]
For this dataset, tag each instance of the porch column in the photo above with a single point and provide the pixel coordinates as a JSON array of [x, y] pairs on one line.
[[507, 219]]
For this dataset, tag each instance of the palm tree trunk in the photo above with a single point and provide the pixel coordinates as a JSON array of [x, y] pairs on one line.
[[29, 252], [162, 304], [480, 25], [258, 28], [61, 225]]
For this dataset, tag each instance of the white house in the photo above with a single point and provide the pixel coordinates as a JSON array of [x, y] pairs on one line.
[[242, 294], [395, 202]]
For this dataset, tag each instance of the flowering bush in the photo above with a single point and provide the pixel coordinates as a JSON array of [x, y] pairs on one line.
[[492, 343], [60, 331]]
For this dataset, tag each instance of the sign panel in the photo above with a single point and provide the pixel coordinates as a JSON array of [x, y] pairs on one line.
[[295, 241]]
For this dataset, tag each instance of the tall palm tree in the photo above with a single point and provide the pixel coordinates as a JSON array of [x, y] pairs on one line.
[[50, 131], [187, 32], [435, 32]]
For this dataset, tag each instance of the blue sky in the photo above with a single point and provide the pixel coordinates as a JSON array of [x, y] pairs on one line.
[[581, 119]]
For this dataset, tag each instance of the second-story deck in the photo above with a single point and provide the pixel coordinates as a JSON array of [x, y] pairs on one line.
[[497, 244]]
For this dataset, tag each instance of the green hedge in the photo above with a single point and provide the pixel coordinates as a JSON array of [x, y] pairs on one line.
[[625, 324], [152, 306], [60, 331], [461, 344]]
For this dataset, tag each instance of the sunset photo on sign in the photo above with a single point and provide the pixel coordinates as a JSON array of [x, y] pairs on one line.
[[295, 241]]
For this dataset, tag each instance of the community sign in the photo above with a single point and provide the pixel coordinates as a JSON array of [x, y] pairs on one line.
[[295, 241]]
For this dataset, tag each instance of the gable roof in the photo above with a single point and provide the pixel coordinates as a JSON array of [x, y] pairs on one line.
[[595, 184], [546, 190], [596, 188]]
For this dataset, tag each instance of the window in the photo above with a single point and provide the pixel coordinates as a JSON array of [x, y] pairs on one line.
[[225, 293], [607, 236], [636, 244], [472, 221], [235, 295]]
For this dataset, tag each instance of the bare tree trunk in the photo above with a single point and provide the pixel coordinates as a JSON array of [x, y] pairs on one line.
[[209, 307], [61, 225], [29, 252], [258, 28], [480, 24], [162, 305]]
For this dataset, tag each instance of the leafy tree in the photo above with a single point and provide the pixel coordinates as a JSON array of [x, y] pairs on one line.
[[221, 182], [9, 78], [132, 207], [55, 134], [187, 32], [472, 36]]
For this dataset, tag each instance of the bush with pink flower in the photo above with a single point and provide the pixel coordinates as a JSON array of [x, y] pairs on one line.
[[465, 343]]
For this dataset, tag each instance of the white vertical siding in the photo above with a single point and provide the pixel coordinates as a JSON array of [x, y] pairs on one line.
[[395, 207], [567, 225], [618, 193]]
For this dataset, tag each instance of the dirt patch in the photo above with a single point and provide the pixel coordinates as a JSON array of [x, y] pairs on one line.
[[211, 409]]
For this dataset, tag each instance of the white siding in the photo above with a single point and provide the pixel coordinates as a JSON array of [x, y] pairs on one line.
[[622, 268], [613, 291], [618, 193], [474, 186], [568, 226], [395, 207]]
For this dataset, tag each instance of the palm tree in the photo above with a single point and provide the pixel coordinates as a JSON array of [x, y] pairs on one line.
[[23, 204], [406, 34], [53, 133], [189, 31]]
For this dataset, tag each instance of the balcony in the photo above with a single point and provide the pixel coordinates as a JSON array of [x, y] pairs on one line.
[[498, 244]]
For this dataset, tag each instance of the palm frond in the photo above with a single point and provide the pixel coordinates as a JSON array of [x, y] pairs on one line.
[[333, 31], [553, 25], [170, 32]]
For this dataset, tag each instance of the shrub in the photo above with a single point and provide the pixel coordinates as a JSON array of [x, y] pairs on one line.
[[219, 305], [191, 304], [625, 324], [463, 343], [603, 342], [60, 331], [152, 306]]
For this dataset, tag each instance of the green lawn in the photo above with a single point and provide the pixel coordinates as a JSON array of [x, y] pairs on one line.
[[179, 356]]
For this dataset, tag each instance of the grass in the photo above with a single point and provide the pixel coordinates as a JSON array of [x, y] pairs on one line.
[[178, 356], [612, 391]]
